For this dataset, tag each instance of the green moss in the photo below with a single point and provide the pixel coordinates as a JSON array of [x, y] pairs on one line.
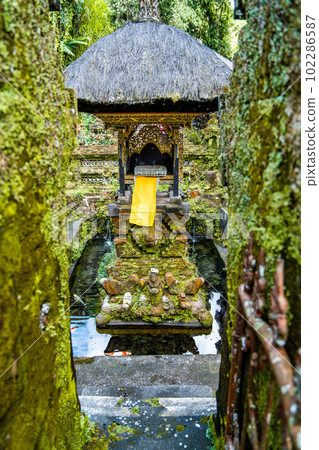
[[260, 136], [180, 428], [153, 402], [37, 121], [217, 439], [94, 221], [119, 432], [163, 433], [119, 403], [78, 195], [261, 387], [135, 410], [94, 436], [141, 311]]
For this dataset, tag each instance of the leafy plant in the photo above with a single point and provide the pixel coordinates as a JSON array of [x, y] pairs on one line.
[[85, 136], [79, 24], [163, 187], [78, 195], [119, 403], [210, 21], [69, 46], [95, 20], [108, 259], [115, 184], [193, 135]]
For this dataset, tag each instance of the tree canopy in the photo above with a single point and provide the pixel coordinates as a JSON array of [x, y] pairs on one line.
[[80, 23], [208, 20]]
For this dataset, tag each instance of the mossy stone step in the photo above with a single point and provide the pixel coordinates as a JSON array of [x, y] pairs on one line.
[[150, 402]]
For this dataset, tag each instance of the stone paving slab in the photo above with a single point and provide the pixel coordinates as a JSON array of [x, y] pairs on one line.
[[130, 371]]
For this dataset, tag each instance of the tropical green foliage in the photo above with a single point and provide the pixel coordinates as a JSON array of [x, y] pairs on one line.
[[108, 259], [81, 23], [208, 20], [66, 38], [69, 47], [95, 20], [123, 11], [88, 132], [86, 137], [78, 25]]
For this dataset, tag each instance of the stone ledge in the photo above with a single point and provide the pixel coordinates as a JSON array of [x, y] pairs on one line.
[[117, 327]]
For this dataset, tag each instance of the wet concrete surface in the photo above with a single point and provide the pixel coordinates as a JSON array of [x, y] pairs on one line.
[[148, 370], [150, 402]]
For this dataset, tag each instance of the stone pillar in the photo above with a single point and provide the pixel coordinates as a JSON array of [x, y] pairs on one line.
[[121, 151], [176, 163]]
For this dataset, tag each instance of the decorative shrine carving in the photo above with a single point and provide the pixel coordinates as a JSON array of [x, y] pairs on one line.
[[178, 119], [146, 134]]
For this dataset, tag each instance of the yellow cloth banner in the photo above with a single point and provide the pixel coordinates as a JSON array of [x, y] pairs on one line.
[[144, 201]]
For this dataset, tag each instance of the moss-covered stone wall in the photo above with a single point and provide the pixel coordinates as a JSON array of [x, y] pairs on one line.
[[260, 124], [38, 406], [260, 135]]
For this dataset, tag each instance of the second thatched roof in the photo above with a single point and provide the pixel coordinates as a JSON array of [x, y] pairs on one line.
[[148, 66]]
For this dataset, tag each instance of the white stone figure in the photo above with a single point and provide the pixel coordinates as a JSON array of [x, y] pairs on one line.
[[165, 301], [127, 300]]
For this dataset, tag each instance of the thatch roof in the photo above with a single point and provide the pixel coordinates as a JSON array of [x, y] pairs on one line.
[[148, 66]]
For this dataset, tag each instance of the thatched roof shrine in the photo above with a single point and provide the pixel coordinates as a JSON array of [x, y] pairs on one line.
[[148, 67]]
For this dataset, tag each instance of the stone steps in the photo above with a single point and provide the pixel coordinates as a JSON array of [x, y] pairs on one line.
[[165, 415], [141, 392], [170, 406]]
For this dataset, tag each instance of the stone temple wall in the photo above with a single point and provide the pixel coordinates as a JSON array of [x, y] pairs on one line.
[[38, 406], [260, 135]]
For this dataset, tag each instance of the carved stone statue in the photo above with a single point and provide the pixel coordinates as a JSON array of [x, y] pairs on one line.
[[154, 284]]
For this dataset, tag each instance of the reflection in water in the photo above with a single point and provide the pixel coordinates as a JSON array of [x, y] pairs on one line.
[[86, 341], [153, 345], [207, 343], [84, 275]]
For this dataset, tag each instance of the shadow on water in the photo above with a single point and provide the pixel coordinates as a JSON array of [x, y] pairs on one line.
[[86, 341]]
